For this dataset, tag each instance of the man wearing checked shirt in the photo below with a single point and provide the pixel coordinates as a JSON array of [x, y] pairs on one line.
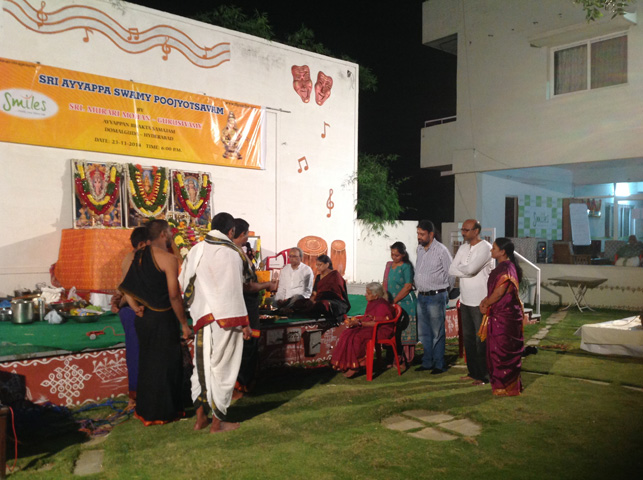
[[432, 281]]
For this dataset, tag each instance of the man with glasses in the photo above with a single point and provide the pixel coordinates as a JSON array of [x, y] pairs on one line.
[[295, 281], [473, 264], [433, 281]]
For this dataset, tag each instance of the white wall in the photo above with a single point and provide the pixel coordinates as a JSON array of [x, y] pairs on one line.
[[622, 290], [505, 116], [280, 204], [492, 189], [373, 251]]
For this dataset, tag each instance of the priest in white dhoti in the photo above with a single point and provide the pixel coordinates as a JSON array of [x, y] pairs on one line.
[[212, 281]]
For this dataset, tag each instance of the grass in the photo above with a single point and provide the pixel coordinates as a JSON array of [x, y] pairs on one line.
[[316, 424]]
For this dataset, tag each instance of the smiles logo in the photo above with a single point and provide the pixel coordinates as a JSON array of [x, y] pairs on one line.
[[27, 104]]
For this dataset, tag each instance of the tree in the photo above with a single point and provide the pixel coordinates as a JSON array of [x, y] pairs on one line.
[[258, 24], [378, 203], [593, 7]]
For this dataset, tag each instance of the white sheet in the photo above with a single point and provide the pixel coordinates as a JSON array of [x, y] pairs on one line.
[[616, 337]]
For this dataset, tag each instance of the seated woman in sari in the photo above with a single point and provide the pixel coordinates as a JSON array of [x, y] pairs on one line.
[[329, 298], [350, 352], [503, 312]]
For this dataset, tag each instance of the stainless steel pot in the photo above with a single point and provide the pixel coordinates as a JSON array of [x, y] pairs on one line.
[[5, 314], [22, 310]]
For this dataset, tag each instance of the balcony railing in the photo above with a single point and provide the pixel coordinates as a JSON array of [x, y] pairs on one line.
[[439, 121], [537, 285]]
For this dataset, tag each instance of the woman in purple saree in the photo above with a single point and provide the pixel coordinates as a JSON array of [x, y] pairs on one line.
[[502, 323]]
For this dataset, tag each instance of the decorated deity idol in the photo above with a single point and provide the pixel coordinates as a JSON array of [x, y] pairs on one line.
[[230, 139]]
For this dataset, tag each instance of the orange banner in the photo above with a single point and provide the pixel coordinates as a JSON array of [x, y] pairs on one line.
[[53, 107]]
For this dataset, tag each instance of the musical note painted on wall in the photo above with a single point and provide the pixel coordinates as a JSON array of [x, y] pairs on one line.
[[329, 203], [305, 161], [133, 34], [323, 135]]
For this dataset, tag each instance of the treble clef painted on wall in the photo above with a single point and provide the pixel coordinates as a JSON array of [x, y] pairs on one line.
[[329, 203], [42, 16], [166, 48]]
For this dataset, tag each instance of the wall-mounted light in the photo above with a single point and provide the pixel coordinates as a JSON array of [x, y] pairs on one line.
[[622, 190]]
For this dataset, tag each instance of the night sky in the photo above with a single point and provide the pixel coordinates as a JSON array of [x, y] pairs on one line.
[[416, 83]]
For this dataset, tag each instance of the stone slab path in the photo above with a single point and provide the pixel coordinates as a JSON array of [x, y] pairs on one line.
[[90, 462], [438, 426]]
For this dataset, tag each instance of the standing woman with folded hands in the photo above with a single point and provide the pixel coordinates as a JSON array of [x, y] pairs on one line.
[[502, 322], [398, 283]]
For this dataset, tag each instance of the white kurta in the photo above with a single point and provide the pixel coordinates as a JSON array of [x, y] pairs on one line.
[[218, 292]]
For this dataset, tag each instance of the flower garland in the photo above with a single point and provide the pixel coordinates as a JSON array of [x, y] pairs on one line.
[[148, 204], [186, 236], [195, 210], [97, 203]]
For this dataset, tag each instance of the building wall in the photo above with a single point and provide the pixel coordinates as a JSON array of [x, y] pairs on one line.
[[281, 204], [373, 251], [496, 188], [506, 117], [623, 288]]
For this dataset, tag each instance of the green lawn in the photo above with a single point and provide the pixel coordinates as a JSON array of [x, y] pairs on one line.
[[318, 425]]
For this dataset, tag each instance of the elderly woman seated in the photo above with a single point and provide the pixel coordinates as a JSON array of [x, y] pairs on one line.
[[350, 352], [629, 255]]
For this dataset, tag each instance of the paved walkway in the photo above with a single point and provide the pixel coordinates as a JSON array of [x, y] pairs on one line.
[[428, 425], [442, 427]]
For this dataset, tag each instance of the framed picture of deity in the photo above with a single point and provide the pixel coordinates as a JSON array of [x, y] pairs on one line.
[[97, 194], [191, 197], [148, 192]]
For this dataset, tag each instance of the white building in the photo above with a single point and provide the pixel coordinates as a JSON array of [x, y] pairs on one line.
[[549, 112], [117, 41]]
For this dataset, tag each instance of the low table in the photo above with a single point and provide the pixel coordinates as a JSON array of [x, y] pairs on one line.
[[578, 286]]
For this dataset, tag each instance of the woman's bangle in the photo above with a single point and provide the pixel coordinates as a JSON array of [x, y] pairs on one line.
[[359, 322]]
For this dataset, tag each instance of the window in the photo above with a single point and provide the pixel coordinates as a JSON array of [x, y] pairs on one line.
[[593, 64]]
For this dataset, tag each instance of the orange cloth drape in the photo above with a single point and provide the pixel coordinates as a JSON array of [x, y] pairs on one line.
[[90, 259]]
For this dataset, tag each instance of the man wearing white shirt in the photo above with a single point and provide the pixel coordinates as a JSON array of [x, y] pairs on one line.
[[295, 280], [473, 264]]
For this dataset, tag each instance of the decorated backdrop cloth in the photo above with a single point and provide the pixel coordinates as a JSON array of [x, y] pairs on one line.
[[351, 346], [90, 259], [505, 333]]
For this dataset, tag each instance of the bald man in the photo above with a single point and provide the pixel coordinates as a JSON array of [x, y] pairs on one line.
[[472, 265]]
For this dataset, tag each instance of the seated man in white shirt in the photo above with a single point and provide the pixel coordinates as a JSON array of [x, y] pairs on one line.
[[295, 281]]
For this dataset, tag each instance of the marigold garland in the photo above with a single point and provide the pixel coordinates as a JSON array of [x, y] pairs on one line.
[[186, 236], [198, 209], [100, 205], [153, 203]]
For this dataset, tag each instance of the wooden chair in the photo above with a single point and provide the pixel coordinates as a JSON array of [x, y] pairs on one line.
[[564, 253], [375, 344]]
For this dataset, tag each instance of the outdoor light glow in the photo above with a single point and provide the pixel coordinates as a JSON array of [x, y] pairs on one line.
[[622, 190]]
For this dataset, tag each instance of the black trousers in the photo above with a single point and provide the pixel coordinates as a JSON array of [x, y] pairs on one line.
[[475, 349]]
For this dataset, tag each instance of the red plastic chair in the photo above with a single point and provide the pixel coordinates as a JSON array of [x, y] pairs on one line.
[[375, 344], [284, 257]]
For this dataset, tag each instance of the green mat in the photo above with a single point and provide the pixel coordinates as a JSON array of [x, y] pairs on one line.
[[70, 336], [40, 337]]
